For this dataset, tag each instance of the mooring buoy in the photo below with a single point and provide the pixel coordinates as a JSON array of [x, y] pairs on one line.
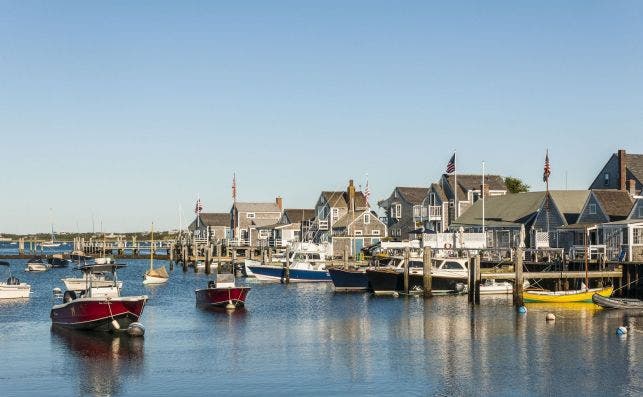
[[522, 310], [550, 317], [136, 329], [230, 306], [621, 331]]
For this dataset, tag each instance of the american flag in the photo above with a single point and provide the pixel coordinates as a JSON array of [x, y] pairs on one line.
[[451, 165], [198, 207], [367, 193], [547, 170], [234, 187]]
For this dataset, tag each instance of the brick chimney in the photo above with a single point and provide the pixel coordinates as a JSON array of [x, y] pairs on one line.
[[631, 187], [280, 202], [622, 170], [350, 191], [484, 189]]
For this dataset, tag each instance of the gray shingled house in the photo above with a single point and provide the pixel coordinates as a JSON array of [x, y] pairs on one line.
[[403, 211], [292, 225], [622, 172], [540, 213], [211, 226], [246, 218], [356, 230]]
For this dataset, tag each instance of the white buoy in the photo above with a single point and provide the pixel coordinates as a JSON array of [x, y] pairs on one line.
[[136, 329], [57, 291], [230, 306], [621, 331], [116, 325], [550, 317], [396, 294]]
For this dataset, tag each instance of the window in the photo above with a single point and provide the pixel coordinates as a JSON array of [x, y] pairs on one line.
[[452, 266], [607, 178], [250, 215], [358, 233], [335, 212], [263, 234], [367, 218], [592, 209], [375, 232], [637, 235], [432, 200], [397, 211]]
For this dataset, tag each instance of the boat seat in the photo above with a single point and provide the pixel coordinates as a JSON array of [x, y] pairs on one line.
[[13, 281]]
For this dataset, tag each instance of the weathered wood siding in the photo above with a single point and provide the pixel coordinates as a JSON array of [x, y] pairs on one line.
[[586, 217], [637, 211]]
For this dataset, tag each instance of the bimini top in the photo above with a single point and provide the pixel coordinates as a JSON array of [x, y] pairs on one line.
[[92, 268]]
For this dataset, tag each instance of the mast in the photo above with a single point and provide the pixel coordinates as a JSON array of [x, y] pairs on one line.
[[586, 259], [455, 187], [152, 249], [483, 197]]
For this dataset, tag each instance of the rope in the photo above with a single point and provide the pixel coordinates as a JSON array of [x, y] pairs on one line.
[[631, 282]]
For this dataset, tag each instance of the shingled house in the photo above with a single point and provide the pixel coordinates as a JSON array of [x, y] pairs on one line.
[[211, 226], [621, 172], [540, 213], [624, 239], [356, 230], [246, 218], [403, 210], [292, 225]]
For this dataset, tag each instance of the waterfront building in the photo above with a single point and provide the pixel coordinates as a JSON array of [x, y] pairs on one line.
[[622, 171], [402, 209], [356, 230], [293, 224], [247, 218], [211, 226]]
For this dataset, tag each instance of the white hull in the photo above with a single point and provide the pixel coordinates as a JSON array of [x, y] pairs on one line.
[[503, 288], [103, 261], [79, 284], [155, 280], [14, 291], [36, 267], [50, 245]]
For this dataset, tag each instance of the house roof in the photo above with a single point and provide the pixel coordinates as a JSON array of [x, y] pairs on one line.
[[439, 191], [617, 204], [570, 203], [257, 207], [413, 195], [472, 182], [509, 209], [340, 199], [634, 163], [347, 219], [215, 218], [296, 215]]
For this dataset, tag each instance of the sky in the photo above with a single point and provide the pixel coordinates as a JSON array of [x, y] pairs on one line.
[[122, 112]]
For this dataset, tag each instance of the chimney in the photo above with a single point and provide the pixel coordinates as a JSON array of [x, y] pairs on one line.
[[621, 170], [280, 203], [351, 195], [631, 187], [485, 190]]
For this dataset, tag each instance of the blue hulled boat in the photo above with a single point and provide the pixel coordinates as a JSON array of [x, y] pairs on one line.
[[299, 272], [349, 279]]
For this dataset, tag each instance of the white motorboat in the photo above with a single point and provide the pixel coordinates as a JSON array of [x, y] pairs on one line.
[[13, 288], [303, 256], [37, 264], [98, 280], [493, 287], [105, 260]]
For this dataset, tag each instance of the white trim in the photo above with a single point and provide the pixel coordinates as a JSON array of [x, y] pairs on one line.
[[359, 233], [375, 232], [248, 215], [367, 218]]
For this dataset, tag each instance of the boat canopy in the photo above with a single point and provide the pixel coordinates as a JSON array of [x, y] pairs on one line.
[[92, 268]]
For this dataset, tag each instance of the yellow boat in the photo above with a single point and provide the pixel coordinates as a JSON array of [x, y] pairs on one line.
[[584, 295]]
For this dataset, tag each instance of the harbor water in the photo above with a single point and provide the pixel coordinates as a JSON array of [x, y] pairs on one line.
[[304, 339]]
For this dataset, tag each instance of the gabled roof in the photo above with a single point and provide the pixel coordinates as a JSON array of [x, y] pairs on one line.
[[257, 207], [472, 182], [569, 202], [509, 209], [634, 163], [439, 191], [340, 199], [215, 218], [413, 195], [349, 218], [297, 215], [617, 204]]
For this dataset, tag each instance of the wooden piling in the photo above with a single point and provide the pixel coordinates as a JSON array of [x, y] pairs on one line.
[[518, 283], [407, 255], [184, 251], [208, 269], [471, 280], [219, 253], [477, 280], [171, 254], [427, 280], [287, 267]]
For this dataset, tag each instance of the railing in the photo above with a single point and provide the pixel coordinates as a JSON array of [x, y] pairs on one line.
[[593, 251], [430, 213]]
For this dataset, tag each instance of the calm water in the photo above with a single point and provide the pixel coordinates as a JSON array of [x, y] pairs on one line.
[[307, 340]]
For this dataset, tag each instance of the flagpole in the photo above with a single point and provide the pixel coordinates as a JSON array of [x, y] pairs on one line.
[[483, 197], [455, 187], [198, 213]]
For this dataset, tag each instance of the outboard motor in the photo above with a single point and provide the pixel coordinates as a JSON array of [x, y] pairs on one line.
[[13, 281]]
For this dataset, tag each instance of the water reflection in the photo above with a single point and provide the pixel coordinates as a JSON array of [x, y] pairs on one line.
[[102, 362]]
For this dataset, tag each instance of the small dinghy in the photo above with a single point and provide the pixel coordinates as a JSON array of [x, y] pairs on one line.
[[222, 293], [13, 288], [617, 303]]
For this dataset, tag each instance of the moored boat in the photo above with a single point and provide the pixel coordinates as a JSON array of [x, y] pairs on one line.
[[582, 295], [13, 288], [448, 276], [58, 261], [222, 293], [92, 310], [350, 279], [617, 303], [152, 275], [37, 264]]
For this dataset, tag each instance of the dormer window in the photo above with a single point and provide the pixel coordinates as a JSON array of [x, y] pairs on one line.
[[607, 178], [250, 215]]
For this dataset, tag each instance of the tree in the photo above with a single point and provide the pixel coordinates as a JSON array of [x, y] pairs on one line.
[[515, 185]]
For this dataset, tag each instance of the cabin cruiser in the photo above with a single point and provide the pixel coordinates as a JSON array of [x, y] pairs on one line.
[[37, 264], [13, 288], [307, 263], [98, 308], [98, 279]]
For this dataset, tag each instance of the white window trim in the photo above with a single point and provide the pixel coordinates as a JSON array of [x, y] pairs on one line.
[[398, 211], [334, 213], [592, 209], [359, 233], [251, 215], [367, 218], [376, 232]]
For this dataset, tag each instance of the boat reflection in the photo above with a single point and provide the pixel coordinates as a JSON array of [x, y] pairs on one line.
[[101, 361]]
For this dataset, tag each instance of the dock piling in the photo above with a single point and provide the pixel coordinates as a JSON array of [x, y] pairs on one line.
[[518, 301], [407, 255], [426, 276]]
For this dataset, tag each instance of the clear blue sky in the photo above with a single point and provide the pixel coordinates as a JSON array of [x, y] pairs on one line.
[[125, 109]]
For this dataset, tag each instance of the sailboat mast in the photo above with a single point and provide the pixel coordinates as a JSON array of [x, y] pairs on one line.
[[586, 260], [152, 249]]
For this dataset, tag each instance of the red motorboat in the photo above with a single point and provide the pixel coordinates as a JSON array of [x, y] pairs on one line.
[[222, 293], [98, 308]]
